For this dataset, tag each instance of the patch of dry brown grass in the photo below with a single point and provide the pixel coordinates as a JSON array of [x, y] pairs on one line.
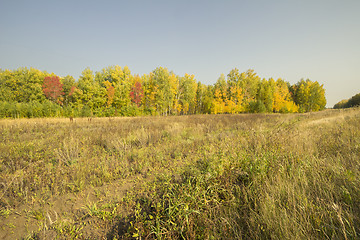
[[246, 176]]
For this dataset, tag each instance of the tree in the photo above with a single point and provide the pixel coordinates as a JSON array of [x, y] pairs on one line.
[[265, 94], [309, 96], [282, 98], [86, 85], [110, 92], [31, 86], [164, 87], [8, 86], [68, 88], [111, 74], [187, 94], [317, 100], [22, 85], [235, 101], [137, 93], [53, 89], [220, 96], [342, 104], [200, 97], [148, 101], [348, 103], [90, 92], [247, 81], [354, 101], [218, 104], [122, 82]]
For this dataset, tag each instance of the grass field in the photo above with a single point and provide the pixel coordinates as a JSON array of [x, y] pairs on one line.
[[247, 176]]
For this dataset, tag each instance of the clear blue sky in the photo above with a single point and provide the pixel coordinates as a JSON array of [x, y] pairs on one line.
[[315, 39]]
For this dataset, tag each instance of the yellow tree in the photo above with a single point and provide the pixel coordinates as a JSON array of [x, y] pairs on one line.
[[236, 99], [22, 85], [110, 92], [150, 89], [282, 98], [248, 82], [174, 86], [218, 104], [220, 96]]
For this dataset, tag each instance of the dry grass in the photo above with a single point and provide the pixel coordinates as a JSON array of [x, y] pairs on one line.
[[242, 176]]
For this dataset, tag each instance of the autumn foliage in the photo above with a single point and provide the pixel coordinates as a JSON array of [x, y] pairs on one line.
[[137, 93], [110, 92], [115, 91], [53, 88]]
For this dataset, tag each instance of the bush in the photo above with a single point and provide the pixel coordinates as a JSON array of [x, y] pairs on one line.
[[86, 111], [30, 110], [257, 107], [131, 110]]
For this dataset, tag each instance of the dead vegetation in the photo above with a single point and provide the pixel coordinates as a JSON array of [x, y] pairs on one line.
[[247, 176]]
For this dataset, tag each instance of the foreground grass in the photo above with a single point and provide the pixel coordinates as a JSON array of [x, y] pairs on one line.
[[193, 177]]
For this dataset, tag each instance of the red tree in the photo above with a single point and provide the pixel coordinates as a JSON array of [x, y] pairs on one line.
[[53, 88], [136, 93]]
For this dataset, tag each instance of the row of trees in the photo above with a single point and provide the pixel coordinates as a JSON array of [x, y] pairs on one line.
[[348, 103], [114, 91]]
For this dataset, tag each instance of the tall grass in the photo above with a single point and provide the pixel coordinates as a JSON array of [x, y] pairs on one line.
[[192, 177]]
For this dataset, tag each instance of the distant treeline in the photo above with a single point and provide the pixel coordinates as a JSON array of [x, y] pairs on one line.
[[348, 103], [114, 91]]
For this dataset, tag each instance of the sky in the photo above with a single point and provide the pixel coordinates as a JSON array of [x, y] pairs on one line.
[[288, 39]]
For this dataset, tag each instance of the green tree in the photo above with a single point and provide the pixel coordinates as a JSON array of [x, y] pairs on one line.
[[309, 96], [68, 88], [89, 91], [33, 80], [265, 95], [111, 74], [8, 87], [187, 94], [164, 87], [148, 101], [341, 104], [22, 85], [354, 101], [348, 103], [247, 81], [122, 81], [200, 98]]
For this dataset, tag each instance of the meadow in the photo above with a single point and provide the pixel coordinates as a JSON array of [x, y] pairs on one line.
[[240, 176]]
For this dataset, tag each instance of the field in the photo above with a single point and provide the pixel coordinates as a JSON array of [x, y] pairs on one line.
[[245, 176]]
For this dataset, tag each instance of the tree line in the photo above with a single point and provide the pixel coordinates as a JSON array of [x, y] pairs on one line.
[[115, 91], [348, 103]]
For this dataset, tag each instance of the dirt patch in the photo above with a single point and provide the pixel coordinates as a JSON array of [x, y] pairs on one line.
[[44, 220]]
